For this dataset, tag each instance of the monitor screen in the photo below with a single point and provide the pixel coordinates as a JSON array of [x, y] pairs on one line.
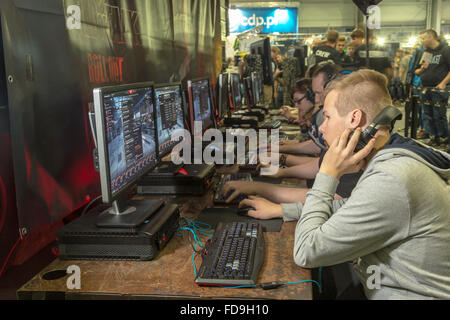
[[256, 87], [248, 92], [125, 134], [222, 102], [201, 106], [169, 115], [235, 86]]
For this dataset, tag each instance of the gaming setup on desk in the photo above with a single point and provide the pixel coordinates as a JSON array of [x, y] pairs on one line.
[[133, 129]]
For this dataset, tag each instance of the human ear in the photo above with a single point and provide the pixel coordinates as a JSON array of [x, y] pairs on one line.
[[355, 119]]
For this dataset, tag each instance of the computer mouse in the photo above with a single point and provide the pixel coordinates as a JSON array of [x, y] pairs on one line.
[[244, 211]]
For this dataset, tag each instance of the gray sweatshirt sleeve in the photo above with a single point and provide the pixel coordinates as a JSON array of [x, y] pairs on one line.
[[373, 217]]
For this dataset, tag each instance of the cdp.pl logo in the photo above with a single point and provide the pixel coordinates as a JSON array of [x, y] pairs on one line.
[[259, 21]]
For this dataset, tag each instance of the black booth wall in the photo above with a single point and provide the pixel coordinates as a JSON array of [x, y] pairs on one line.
[[52, 64]]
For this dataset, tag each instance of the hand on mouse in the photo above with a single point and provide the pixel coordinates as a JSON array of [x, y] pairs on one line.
[[263, 209], [238, 187]]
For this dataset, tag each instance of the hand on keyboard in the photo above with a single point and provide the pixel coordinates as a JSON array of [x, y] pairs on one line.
[[263, 209], [233, 189]]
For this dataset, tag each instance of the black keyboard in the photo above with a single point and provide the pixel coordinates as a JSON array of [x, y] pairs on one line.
[[270, 124], [219, 198], [233, 256]]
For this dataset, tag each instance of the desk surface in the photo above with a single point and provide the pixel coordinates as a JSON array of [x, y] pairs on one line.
[[171, 273]]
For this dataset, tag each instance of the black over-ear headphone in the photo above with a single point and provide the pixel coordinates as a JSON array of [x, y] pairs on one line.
[[310, 95]]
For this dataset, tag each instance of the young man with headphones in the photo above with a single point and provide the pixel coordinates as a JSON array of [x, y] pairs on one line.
[[395, 226]]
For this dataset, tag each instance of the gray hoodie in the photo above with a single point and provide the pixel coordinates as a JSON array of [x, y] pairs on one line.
[[395, 227]]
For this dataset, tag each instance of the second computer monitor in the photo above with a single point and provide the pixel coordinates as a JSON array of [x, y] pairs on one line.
[[248, 92], [201, 107], [256, 87], [169, 115], [235, 89], [222, 95]]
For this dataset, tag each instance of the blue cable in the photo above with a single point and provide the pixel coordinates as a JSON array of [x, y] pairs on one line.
[[202, 228], [196, 228], [313, 281]]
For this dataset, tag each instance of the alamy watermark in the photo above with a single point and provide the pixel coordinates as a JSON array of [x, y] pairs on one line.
[[73, 17], [219, 152], [74, 280]]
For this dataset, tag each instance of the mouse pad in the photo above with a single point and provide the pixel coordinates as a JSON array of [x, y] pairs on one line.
[[214, 215]]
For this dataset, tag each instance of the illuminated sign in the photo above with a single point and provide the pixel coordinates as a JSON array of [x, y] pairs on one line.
[[271, 19]]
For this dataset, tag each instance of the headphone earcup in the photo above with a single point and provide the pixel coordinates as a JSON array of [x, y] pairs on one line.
[[310, 96]]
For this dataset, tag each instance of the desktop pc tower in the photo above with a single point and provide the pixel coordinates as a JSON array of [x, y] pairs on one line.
[[82, 239]]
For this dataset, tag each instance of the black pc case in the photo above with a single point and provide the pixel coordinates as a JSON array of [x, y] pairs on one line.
[[83, 240], [195, 180]]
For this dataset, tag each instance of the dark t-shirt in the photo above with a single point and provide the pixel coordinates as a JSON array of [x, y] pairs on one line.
[[344, 60], [439, 66], [378, 58], [324, 53]]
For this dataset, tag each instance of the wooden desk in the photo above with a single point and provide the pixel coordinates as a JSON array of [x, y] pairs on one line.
[[171, 275]]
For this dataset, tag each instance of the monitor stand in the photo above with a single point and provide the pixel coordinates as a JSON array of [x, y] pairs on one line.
[[128, 213]]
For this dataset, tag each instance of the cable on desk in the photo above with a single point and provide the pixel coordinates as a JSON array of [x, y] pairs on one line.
[[202, 228], [196, 228]]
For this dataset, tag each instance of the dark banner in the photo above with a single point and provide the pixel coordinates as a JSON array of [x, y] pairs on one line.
[[56, 52]]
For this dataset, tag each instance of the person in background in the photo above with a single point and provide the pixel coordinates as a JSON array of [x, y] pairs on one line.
[[357, 37], [327, 51], [278, 90], [435, 74], [413, 80], [285, 75], [344, 58], [403, 71], [351, 48], [394, 87]]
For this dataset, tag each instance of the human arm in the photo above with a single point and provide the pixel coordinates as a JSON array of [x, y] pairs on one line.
[[444, 82], [422, 68], [305, 147], [271, 192]]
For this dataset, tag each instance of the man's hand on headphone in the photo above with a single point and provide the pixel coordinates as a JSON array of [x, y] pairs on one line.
[[341, 158]]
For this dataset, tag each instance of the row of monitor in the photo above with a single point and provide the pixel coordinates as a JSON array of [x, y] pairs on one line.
[[134, 123], [229, 93]]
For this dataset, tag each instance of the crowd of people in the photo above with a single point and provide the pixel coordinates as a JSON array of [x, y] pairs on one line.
[[385, 204], [408, 70]]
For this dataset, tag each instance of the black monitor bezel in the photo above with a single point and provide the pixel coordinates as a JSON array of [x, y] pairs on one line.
[[254, 79], [235, 106], [221, 99], [163, 85], [104, 169], [267, 76], [248, 92], [191, 103]]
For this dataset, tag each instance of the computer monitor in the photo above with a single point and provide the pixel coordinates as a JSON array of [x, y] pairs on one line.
[[125, 133], [201, 106], [256, 87], [248, 92], [262, 47], [235, 90], [222, 98], [169, 115]]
